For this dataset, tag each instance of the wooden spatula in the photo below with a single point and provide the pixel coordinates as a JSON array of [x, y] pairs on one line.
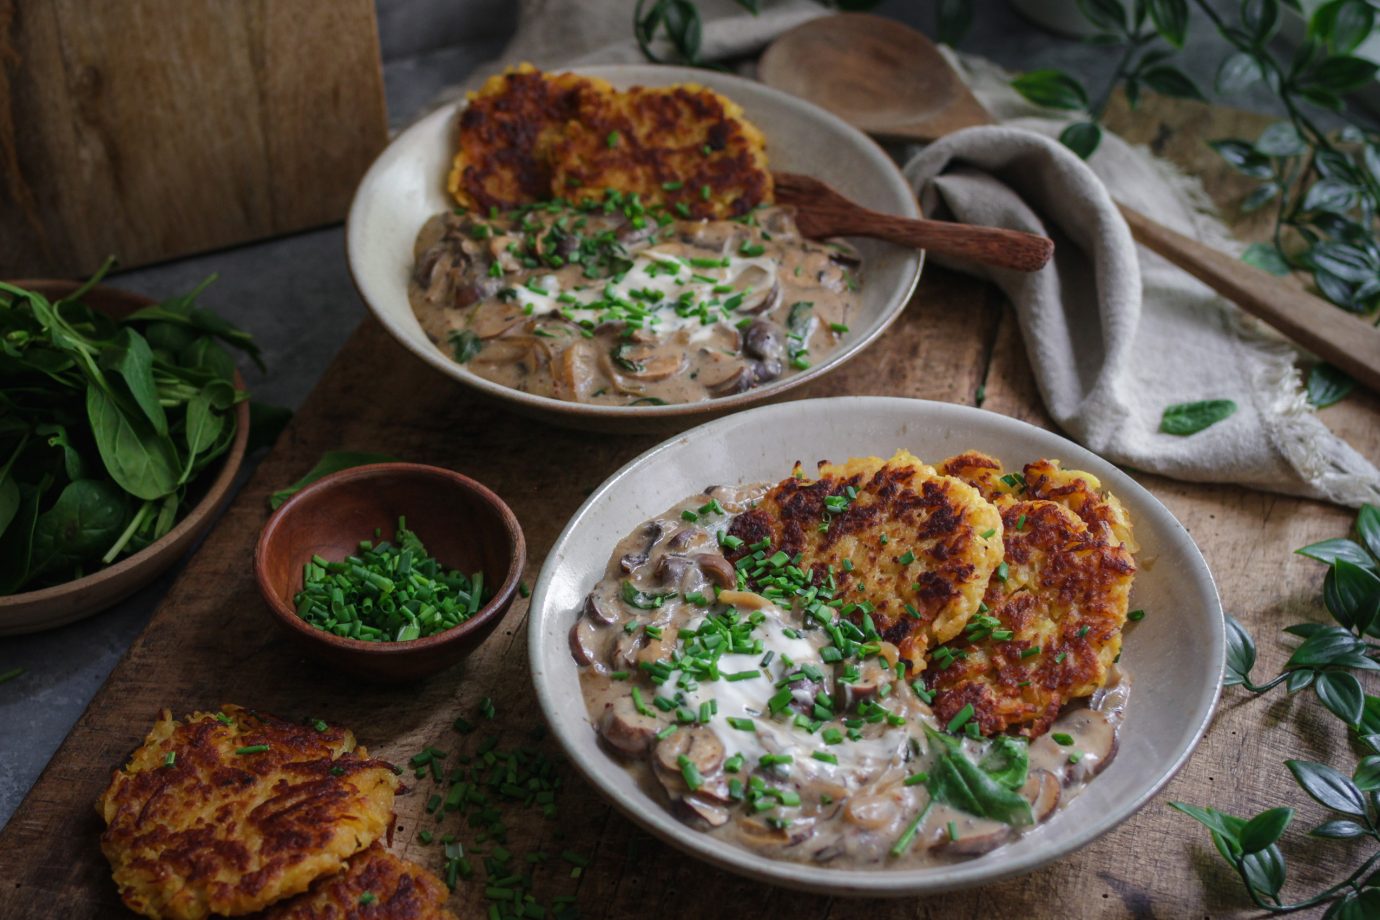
[[888, 79], [822, 212]]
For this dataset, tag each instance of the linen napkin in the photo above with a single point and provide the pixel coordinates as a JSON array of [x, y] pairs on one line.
[[1114, 333]]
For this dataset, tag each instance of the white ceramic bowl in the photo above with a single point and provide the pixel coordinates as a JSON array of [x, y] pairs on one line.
[[1174, 656], [406, 186]]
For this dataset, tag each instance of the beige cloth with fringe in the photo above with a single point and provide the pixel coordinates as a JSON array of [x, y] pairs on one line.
[[1114, 333]]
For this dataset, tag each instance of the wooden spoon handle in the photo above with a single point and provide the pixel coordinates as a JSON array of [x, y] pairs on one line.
[[1332, 334], [996, 246]]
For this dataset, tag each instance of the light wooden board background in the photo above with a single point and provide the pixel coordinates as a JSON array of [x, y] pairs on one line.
[[147, 129], [212, 642]]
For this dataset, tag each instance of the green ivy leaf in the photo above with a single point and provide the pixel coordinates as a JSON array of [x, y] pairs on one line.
[[1341, 693], [1329, 551], [1342, 24], [1240, 653], [1338, 829], [1320, 649], [1267, 258], [1368, 528], [1299, 679], [1227, 827], [1264, 829], [1171, 81], [1331, 195], [1261, 19], [1264, 870], [1184, 419], [1341, 74], [1052, 89], [1243, 156], [1171, 20], [1352, 595], [1366, 776], [1082, 138], [1328, 385], [1258, 198], [1327, 787], [1281, 139], [1238, 73], [1105, 14]]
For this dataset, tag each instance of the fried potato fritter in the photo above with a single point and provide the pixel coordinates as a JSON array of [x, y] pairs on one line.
[[1053, 624], [376, 885], [919, 546], [527, 136], [231, 811], [682, 146]]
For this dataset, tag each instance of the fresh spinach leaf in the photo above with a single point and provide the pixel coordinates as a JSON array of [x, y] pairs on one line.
[[466, 345], [1328, 385], [142, 463], [1007, 761], [16, 544], [1184, 419], [959, 783], [83, 523], [131, 358]]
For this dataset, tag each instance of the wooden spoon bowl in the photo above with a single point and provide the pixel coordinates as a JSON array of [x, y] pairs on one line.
[[46, 608], [463, 525]]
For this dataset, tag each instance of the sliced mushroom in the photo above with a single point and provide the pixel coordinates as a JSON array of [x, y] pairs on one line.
[[1042, 789], [586, 644], [986, 838], [717, 569], [765, 340], [671, 569], [701, 746], [741, 381], [711, 813], [873, 812], [761, 291], [762, 371], [600, 610], [1094, 745], [680, 540], [870, 679], [648, 365], [651, 534], [627, 729], [575, 374], [495, 318]]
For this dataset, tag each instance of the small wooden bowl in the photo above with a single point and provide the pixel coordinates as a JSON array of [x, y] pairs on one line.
[[33, 611], [463, 525]]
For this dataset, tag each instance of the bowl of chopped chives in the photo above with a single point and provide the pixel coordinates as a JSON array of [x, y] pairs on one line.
[[392, 571]]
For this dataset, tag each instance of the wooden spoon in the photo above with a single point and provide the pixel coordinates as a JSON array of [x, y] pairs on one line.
[[888, 79], [822, 212]]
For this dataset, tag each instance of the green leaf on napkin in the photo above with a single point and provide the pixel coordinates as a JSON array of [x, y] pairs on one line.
[[1082, 137], [1328, 385], [1184, 419]]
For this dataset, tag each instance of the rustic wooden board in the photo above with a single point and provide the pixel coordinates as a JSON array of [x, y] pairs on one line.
[[212, 642], [155, 128]]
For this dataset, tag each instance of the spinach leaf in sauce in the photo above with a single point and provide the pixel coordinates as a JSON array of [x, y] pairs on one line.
[[1007, 761], [959, 783]]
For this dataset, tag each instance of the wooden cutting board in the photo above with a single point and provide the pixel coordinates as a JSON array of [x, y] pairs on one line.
[[148, 129], [211, 641]]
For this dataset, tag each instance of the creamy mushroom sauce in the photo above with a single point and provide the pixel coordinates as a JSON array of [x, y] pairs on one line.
[[627, 307], [840, 787]]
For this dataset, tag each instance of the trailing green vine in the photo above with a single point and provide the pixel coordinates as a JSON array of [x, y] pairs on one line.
[[1327, 662]]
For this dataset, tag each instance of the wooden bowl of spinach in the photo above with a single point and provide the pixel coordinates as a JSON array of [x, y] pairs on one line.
[[123, 423]]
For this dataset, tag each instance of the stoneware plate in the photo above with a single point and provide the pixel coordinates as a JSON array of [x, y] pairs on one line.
[[1174, 655], [406, 186]]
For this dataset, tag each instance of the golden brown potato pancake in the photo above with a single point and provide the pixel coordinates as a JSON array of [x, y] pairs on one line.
[[1055, 609], [376, 885], [527, 136], [231, 811], [919, 546]]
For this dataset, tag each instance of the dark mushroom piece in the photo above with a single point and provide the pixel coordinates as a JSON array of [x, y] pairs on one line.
[[652, 533], [986, 838], [627, 729], [1042, 789], [680, 540], [600, 610], [742, 380], [717, 569], [762, 371], [711, 813], [761, 291], [670, 570], [586, 644], [764, 339], [1094, 744], [870, 678]]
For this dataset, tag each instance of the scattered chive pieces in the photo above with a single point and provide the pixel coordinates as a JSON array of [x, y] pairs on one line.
[[1063, 738], [916, 779], [10, 674], [252, 749], [988, 534], [367, 898], [825, 756], [1075, 756], [424, 836], [223, 719], [1030, 652], [960, 717], [171, 759], [524, 590], [1003, 570], [1059, 658], [388, 591], [612, 139], [953, 831], [906, 558], [1135, 615]]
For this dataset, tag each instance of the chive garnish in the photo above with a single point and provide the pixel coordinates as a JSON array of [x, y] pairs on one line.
[[252, 749]]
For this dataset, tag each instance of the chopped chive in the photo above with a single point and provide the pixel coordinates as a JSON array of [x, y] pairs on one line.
[[825, 756], [1136, 615], [960, 717], [252, 749], [171, 759], [1063, 738]]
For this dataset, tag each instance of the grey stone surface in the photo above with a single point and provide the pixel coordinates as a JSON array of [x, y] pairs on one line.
[[294, 294]]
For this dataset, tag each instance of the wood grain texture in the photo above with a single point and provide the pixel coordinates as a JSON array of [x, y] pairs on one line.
[[149, 129], [821, 212], [211, 641]]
